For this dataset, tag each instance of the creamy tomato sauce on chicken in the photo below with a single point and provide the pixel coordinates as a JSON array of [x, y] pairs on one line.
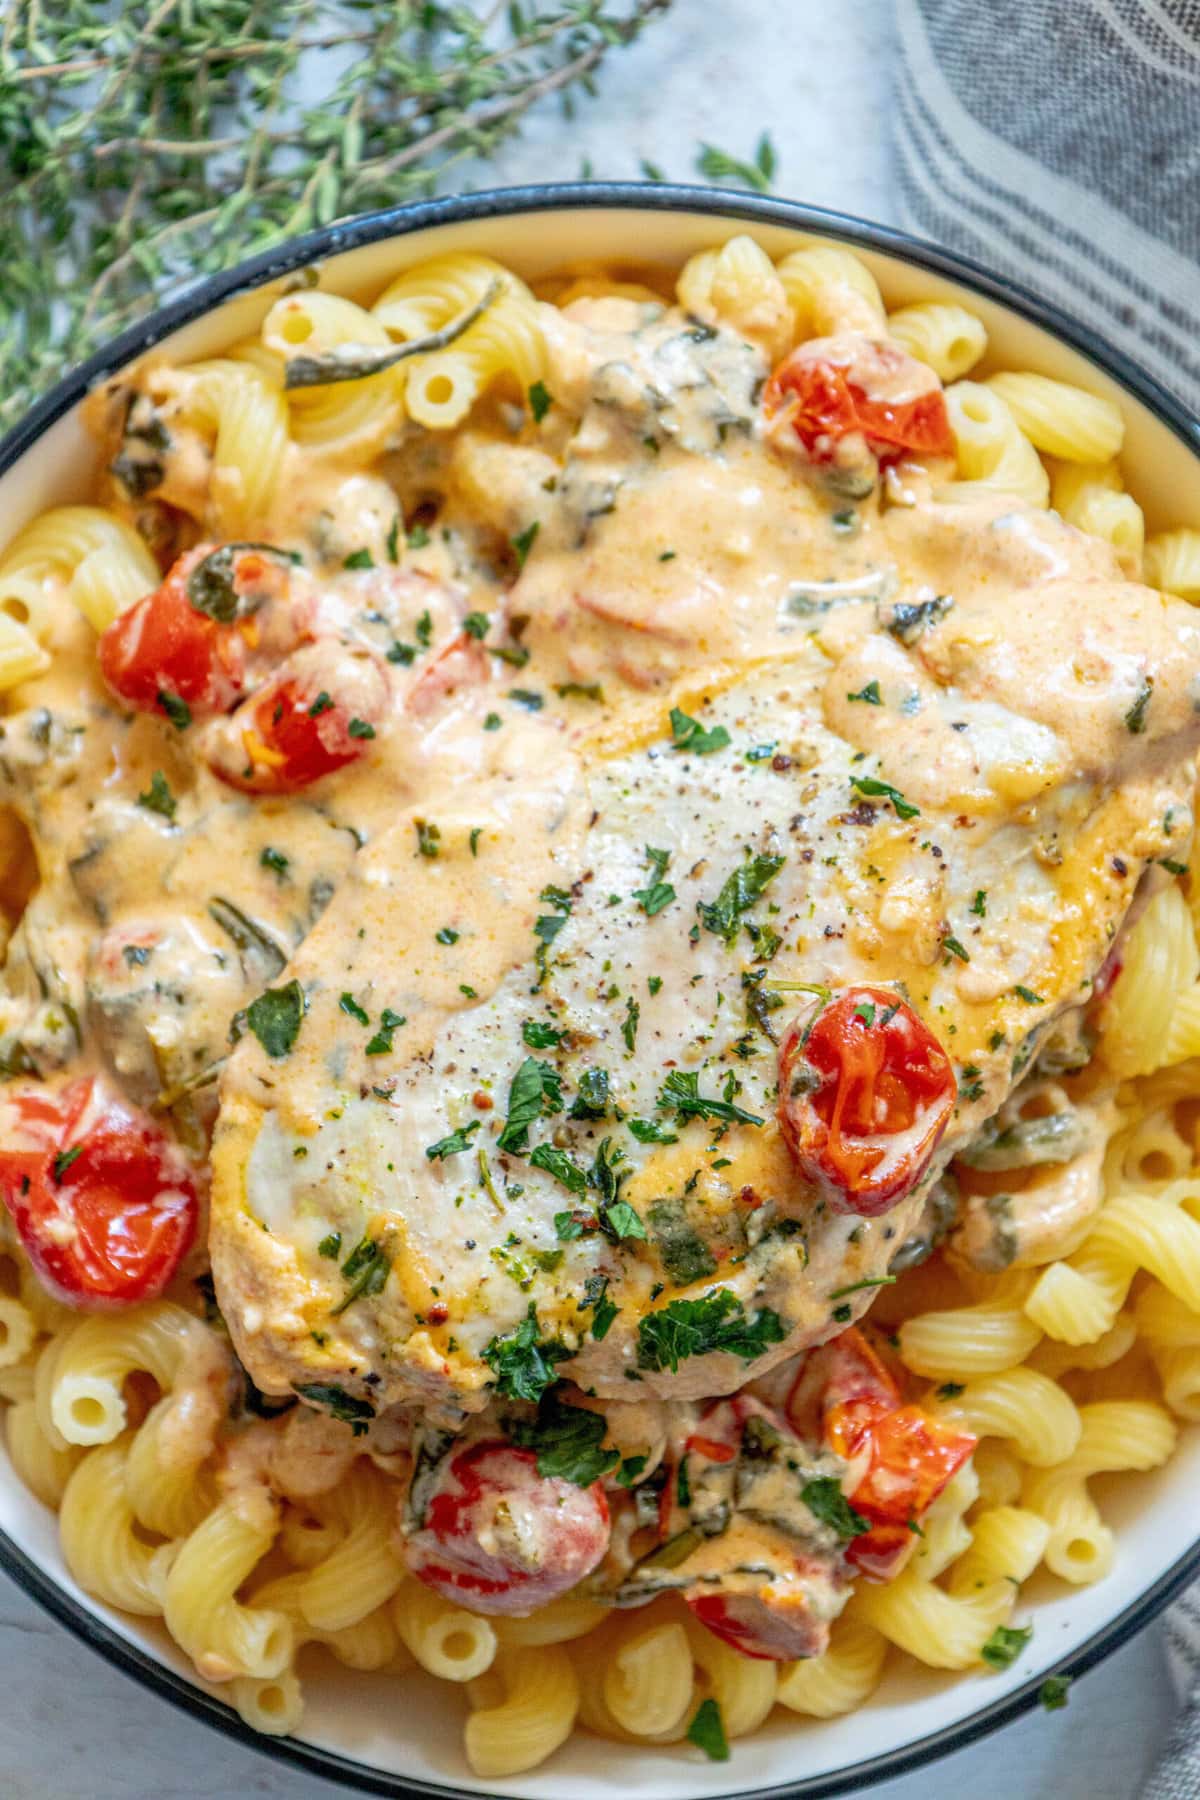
[[594, 890]]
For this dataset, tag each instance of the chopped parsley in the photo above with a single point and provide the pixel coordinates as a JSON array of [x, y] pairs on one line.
[[158, 797], [177, 710], [536, 1089], [529, 698], [276, 861], [523, 542], [348, 1407], [350, 1005], [418, 536], [658, 893], [523, 1361], [1028, 996], [825, 1500], [62, 1162], [402, 653], [717, 1322], [950, 1390], [621, 1220], [476, 624], [681, 1092], [453, 1144], [428, 838], [883, 790], [738, 893], [979, 903], [651, 1131], [366, 1269], [361, 728], [322, 704], [568, 1442], [910, 619], [423, 629], [1053, 1691], [952, 947], [870, 694], [393, 539], [389, 1023], [1005, 1645], [629, 1025], [592, 1098], [359, 559], [275, 1017], [493, 722], [689, 734], [563, 1167], [540, 1036], [540, 401], [707, 1731], [330, 1246], [447, 935], [579, 690]]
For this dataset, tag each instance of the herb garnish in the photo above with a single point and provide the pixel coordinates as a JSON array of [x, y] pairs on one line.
[[276, 861], [523, 1361], [629, 1025], [1005, 1645], [591, 1099], [650, 1131], [825, 1500], [707, 1730], [738, 893], [350, 1005], [870, 693], [718, 1321], [476, 624], [358, 559], [1028, 996], [62, 1162], [275, 1018], [1053, 1692], [523, 542], [451, 1145], [689, 734], [158, 798], [348, 1407], [540, 401], [681, 1091], [719, 165], [366, 1269], [540, 1036], [563, 1167], [536, 1089], [874, 789], [659, 893], [567, 1440], [177, 710]]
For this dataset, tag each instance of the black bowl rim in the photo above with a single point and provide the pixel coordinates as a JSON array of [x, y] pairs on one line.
[[400, 221]]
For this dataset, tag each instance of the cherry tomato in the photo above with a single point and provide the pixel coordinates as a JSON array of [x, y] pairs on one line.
[[165, 646], [825, 404], [103, 1202], [772, 1623], [865, 1093], [316, 716], [461, 663], [905, 1456], [497, 1537]]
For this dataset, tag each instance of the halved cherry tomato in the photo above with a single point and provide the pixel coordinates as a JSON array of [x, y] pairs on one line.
[[165, 646], [771, 1621], [103, 1202], [318, 714], [825, 405], [497, 1537], [909, 1455], [865, 1093]]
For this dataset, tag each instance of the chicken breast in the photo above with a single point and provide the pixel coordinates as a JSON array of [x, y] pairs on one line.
[[526, 1101]]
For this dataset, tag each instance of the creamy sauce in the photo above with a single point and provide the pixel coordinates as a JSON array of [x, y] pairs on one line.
[[953, 731]]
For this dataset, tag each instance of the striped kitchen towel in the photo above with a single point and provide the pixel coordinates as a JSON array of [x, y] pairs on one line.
[[1059, 142]]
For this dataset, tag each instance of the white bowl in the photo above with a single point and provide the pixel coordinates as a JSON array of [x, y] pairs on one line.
[[392, 1736]]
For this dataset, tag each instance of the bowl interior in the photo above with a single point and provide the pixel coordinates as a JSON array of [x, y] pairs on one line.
[[393, 1732]]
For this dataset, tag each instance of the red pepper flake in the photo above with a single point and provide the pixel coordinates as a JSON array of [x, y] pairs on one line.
[[438, 1313], [482, 1102]]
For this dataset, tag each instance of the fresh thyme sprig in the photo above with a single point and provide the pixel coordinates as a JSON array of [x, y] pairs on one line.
[[144, 143]]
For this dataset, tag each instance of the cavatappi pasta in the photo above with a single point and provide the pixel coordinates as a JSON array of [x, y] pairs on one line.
[[436, 645]]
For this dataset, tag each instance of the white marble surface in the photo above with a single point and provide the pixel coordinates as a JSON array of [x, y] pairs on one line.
[[816, 73]]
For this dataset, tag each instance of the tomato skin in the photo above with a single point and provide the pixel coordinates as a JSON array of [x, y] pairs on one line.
[[465, 1548], [826, 405], [906, 1455], [772, 1625], [164, 645], [289, 744], [112, 1228], [865, 1093]]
